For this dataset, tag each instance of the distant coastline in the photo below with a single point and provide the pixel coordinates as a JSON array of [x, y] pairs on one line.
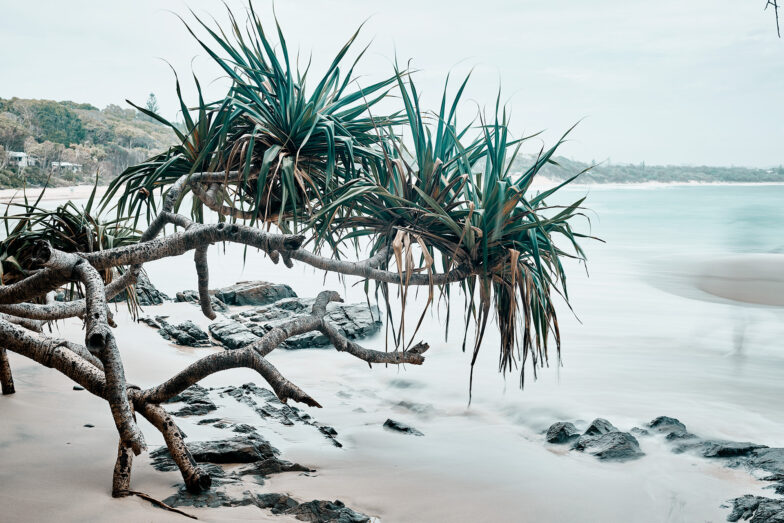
[[82, 192]]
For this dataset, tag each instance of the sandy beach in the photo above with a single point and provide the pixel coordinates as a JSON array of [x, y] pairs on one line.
[[76, 192]]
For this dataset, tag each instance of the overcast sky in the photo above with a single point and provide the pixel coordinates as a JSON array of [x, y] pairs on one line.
[[665, 81]]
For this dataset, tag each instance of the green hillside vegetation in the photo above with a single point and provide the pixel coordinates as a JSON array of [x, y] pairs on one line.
[[606, 172], [104, 141]]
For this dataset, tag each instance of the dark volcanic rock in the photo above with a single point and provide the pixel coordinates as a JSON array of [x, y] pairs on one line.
[[197, 408], [673, 428], [267, 405], [243, 428], [599, 426], [231, 333], [766, 459], [757, 509], [212, 498], [355, 320], [146, 293], [401, 427], [711, 448], [249, 448], [728, 449], [254, 293], [316, 511], [197, 401], [152, 322], [272, 466], [184, 333], [617, 446], [562, 432], [191, 296], [326, 511]]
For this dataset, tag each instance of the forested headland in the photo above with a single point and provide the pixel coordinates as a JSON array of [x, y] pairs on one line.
[[67, 143]]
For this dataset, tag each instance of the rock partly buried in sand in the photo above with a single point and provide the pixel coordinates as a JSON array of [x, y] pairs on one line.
[[757, 509], [614, 446], [401, 427], [254, 293], [765, 458], [231, 489], [191, 296], [231, 333], [184, 333], [319, 511], [271, 466], [248, 448], [598, 427], [712, 448], [268, 406], [728, 449], [316, 511], [251, 448], [562, 432], [197, 402], [146, 293], [672, 427]]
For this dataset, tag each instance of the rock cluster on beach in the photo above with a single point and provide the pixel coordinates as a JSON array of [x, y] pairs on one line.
[[252, 459], [601, 439], [605, 441], [353, 321], [273, 305], [197, 401], [230, 489]]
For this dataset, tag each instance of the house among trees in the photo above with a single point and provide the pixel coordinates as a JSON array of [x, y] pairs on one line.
[[20, 159], [67, 166]]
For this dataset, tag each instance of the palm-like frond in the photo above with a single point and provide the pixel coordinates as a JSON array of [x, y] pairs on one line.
[[318, 161], [67, 228]]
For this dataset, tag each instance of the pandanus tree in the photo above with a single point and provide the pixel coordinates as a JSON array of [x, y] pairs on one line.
[[303, 171]]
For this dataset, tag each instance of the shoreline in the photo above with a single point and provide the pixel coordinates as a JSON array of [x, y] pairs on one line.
[[76, 192], [82, 192]]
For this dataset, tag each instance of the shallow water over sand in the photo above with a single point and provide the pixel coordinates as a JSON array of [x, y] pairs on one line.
[[648, 342]]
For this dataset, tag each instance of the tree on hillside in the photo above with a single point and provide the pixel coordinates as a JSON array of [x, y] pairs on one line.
[[283, 161], [45, 153], [12, 133], [56, 123], [152, 103]]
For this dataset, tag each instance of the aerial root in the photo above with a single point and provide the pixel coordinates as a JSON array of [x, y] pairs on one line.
[[203, 276], [154, 501], [6, 378]]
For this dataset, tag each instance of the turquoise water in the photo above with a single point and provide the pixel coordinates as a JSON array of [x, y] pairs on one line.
[[684, 219]]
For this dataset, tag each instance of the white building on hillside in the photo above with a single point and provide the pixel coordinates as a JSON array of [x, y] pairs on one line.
[[67, 166], [20, 159]]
